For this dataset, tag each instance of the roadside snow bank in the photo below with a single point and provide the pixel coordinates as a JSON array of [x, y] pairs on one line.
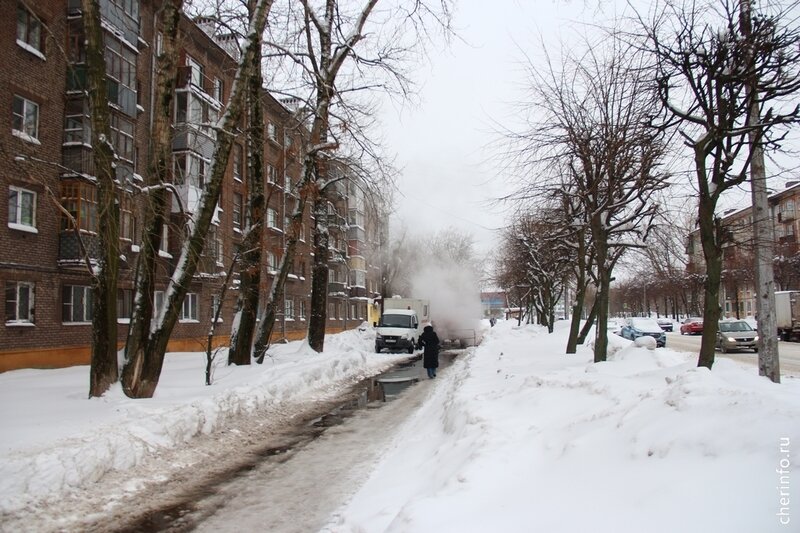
[[54, 439], [521, 437]]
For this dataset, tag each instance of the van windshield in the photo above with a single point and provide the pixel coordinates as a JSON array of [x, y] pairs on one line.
[[396, 321]]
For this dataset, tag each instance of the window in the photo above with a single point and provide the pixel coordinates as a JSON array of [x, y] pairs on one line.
[[191, 109], [289, 308], [215, 307], [272, 218], [29, 31], [272, 174], [79, 199], [76, 122], [76, 303], [237, 211], [121, 72], [196, 72], [127, 222], [272, 261], [158, 305], [122, 136], [358, 278], [271, 131], [237, 162], [302, 309], [124, 304], [219, 89], [19, 302], [287, 182], [189, 310], [163, 247], [25, 120], [21, 209], [217, 250], [190, 169]]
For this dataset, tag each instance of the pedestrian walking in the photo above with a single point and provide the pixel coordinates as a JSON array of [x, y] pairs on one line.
[[429, 340]]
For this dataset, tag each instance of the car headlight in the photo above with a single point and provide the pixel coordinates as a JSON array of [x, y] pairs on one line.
[[755, 338], [378, 337], [730, 339]]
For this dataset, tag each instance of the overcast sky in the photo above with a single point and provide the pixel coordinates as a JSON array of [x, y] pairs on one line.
[[448, 177]]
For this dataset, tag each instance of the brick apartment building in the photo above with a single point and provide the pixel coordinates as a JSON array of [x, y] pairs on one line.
[[737, 294], [46, 170]]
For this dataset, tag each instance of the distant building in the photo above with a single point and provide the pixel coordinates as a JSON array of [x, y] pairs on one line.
[[494, 304], [737, 293]]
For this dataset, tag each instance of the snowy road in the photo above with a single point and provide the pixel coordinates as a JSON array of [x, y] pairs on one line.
[[789, 352], [255, 476]]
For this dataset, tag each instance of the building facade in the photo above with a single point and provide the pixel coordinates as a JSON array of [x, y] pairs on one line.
[[47, 176], [737, 294]]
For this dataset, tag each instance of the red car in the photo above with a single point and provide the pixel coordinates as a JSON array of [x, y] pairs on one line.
[[691, 326]]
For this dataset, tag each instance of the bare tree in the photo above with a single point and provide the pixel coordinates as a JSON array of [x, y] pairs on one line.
[[327, 44], [704, 65], [592, 137], [532, 259]]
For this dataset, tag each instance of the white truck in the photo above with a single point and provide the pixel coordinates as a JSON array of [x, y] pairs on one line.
[[401, 324], [787, 314]]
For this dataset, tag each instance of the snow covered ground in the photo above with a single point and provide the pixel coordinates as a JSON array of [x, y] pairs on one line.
[[513, 436]]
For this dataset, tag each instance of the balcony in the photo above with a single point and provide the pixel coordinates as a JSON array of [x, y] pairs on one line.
[[69, 248], [337, 287]]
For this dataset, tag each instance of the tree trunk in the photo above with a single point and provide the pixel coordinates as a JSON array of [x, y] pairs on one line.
[[580, 295], [712, 252], [319, 277], [159, 174], [244, 323], [590, 320], [104, 368]]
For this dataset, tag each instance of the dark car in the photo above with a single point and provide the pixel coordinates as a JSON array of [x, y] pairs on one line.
[[665, 323], [641, 327], [736, 335], [692, 326]]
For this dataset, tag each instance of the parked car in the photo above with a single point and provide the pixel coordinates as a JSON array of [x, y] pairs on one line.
[[639, 327], [692, 326], [665, 323], [736, 335]]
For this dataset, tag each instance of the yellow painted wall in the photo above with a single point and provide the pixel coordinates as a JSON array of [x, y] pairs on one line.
[[79, 355]]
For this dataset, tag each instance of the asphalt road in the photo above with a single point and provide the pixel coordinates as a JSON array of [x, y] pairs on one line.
[[788, 352]]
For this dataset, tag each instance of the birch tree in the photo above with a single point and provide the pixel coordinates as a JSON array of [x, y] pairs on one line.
[[145, 354]]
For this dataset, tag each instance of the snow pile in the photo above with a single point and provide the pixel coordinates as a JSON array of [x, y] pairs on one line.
[[513, 436], [54, 439], [521, 437]]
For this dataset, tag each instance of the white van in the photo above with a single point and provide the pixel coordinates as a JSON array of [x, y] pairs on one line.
[[397, 330]]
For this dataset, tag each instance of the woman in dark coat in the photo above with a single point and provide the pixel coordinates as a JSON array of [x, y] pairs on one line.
[[430, 358]]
